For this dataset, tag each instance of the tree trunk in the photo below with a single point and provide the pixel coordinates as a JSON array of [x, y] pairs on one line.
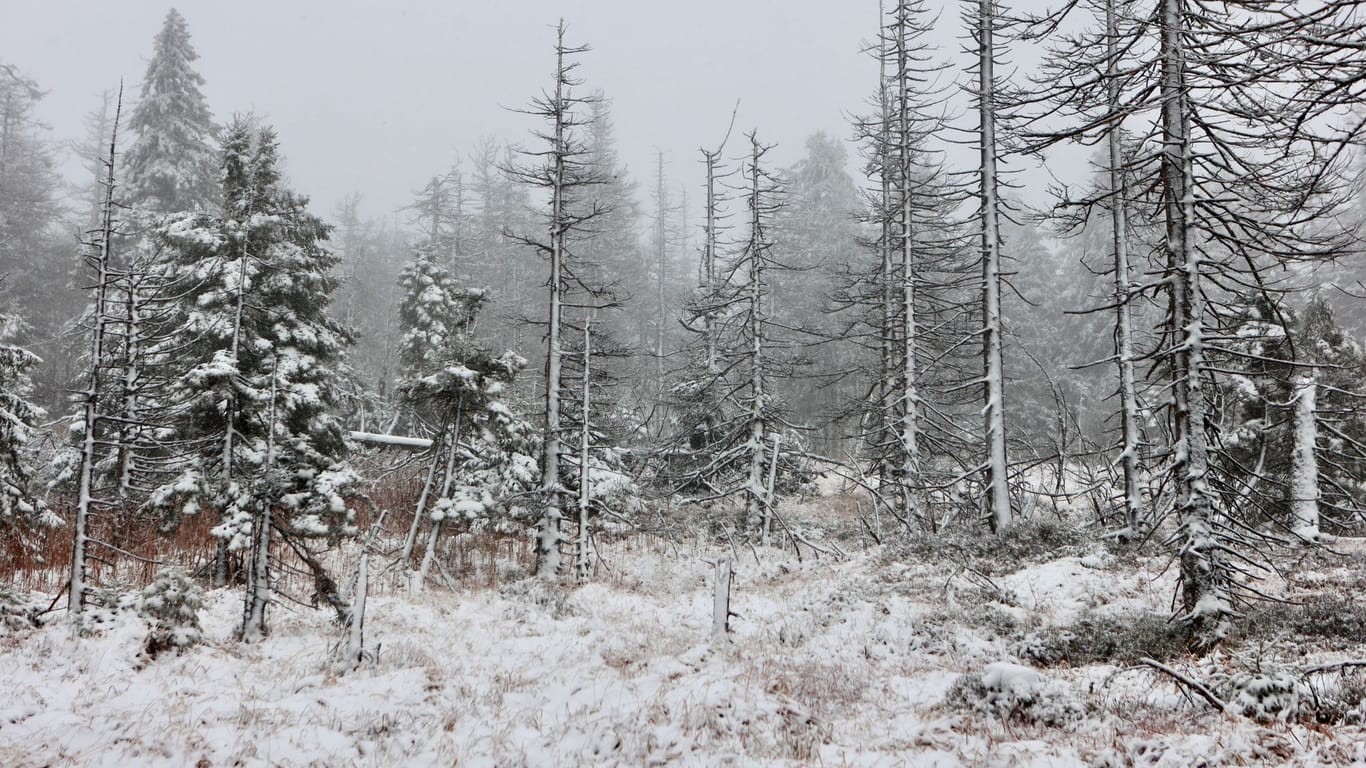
[[585, 443], [993, 411], [1205, 576], [1304, 483], [1134, 516], [550, 536], [85, 500]]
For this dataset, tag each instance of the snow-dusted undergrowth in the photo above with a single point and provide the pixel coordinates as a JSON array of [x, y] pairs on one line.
[[865, 661]]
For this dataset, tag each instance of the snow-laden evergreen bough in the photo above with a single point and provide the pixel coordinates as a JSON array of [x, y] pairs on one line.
[[21, 511]]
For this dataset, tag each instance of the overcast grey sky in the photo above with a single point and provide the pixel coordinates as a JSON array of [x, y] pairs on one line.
[[376, 97]]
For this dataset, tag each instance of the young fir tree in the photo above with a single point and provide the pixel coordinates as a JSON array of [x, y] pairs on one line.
[[21, 511], [171, 164], [256, 370], [453, 388]]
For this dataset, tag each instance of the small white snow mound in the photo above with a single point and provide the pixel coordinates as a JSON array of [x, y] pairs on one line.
[[1015, 692]]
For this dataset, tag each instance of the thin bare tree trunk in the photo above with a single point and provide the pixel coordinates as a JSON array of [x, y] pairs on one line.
[[993, 411], [585, 443], [85, 500], [1134, 516]]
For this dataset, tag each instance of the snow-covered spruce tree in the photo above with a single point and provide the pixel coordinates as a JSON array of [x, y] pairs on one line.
[[21, 511], [698, 397], [480, 454], [565, 170], [171, 165], [256, 370], [1290, 420], [1239, 183]]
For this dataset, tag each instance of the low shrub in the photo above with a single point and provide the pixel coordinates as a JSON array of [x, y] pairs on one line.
[[1015, 693], [1095, 639], [171, 605]]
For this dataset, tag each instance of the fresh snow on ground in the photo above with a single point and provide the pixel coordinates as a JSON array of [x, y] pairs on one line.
[[831, 662]]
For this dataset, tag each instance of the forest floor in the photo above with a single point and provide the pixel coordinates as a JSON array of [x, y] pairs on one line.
[[939, 652]]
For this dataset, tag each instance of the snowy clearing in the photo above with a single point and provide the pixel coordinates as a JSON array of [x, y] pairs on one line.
[[868, 661]]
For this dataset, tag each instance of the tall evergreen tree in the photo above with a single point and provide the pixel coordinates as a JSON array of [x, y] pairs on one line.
[[171, 164], [34, 254], [258, 365]]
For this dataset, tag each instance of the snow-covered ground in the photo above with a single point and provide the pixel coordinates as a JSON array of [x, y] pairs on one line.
[[877, 659]]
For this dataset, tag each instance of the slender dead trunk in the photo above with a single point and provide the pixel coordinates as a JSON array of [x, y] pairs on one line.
[[909, 396], [410, 540], [85, 500], [993, 410], [661, 269], [434, 533], [709, 266], [1205, 575], [585, 444], [1134, 516], [1304, 482], [550, 537], [258, 578], [756, 507]]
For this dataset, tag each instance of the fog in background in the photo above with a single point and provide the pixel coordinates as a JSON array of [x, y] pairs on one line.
[[377, 97]]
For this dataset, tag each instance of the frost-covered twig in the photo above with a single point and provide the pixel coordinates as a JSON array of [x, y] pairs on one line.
[[1189, 682]]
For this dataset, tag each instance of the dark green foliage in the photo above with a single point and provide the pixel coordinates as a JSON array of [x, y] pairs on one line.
[[171, 605], [1109, 639], [255, 351]]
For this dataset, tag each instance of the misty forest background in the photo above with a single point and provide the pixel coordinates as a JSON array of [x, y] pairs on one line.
[[548, 346]]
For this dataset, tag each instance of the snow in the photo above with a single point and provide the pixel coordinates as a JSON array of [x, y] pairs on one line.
[[844, 662], [398, 441]]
